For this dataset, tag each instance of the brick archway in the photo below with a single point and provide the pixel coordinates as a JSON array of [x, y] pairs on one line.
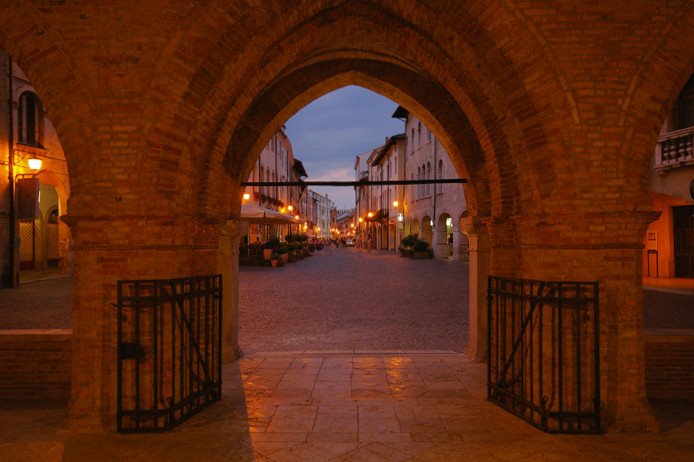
[[154, 118]]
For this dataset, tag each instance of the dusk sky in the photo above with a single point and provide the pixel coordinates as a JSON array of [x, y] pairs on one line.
[[327, 134]]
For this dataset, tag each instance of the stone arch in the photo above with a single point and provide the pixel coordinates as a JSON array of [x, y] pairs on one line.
[[317, 31], [416, 231]]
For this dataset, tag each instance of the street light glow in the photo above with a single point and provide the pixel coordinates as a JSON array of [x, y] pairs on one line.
[[396, 203], [246, 196]]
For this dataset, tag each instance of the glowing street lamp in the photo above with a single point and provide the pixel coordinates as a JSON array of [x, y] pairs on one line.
[[34, 163], [361, 220], [290, 208], [395, 204], [246, 196], [370, 215]]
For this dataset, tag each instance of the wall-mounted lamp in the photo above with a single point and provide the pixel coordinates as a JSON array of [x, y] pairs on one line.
[[361, 219], [395, 204], [246, 196], [34, 163], [370, 215], [290, 208]]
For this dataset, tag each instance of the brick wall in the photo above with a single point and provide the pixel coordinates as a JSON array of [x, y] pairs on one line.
[[670, 363], [35, 364]]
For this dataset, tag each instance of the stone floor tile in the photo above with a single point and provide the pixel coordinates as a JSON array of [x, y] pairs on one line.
[[376, 452], [279, 437], [378, 419], [333, 437], [298, 452], [336, 419], [293, 418], [337, 449]]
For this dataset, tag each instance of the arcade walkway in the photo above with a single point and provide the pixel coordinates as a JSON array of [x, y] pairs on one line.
[[405, 407]]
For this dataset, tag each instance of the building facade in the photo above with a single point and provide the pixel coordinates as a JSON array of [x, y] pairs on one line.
[[276, 163], [428, 211], [318, 215], [432, 212], [669, 241], [33, 197]]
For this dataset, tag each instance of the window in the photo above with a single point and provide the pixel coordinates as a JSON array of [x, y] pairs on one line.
[[30, 120], [419, 186], [412, 140], [428, 134], [439, 175], [428, 177], [419, 133]]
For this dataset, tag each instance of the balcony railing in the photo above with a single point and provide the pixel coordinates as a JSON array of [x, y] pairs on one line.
[[675, 149]]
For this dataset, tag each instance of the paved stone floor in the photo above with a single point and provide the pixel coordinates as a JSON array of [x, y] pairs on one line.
[[349, 299], [413, 299], [413, 407]]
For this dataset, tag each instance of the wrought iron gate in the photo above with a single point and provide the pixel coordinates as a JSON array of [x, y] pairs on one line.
[[543, 356], [169, 351]]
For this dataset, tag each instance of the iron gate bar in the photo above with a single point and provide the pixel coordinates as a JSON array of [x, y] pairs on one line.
[[355, 183], [166, 386], [568, 400]]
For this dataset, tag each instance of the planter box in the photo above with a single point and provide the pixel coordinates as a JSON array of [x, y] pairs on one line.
[[267, 253], [284, 258]]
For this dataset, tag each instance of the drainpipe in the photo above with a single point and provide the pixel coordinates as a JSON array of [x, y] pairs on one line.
[[10, 176], [433, 227]]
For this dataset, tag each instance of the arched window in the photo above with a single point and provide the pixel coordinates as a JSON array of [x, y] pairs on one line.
[[261, 189], [419, 186], [412, 190], [419, 133], [428, 134], [29, 119], [428, 193], [412, 139]]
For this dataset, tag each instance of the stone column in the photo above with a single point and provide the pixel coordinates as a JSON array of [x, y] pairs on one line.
[[461, 246], [109, 248], [228, 267], [440, 242], [479, 257], [604, 247]]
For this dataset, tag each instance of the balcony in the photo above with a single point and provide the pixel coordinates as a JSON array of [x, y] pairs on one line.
[[675, 149]]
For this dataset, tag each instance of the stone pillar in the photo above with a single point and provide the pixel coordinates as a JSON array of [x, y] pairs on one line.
[[479, 258], [109, 248], [604, 247], [440, 244], [228, 267], [461, 246]]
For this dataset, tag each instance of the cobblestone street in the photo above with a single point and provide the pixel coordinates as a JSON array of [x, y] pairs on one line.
[[349, 299]]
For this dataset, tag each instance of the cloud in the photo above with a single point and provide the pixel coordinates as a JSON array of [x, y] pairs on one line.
[[328, 133]]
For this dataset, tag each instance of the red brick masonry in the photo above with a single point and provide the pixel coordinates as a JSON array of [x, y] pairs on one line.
[[35, 364], [670, 363]]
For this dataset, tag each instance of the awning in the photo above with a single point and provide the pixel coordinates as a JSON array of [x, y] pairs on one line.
[[253, 213]]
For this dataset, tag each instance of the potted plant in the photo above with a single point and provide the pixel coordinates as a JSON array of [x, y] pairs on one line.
[[270, 246], [275, 260], [283, 251], [421, 250], [407, 246]]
